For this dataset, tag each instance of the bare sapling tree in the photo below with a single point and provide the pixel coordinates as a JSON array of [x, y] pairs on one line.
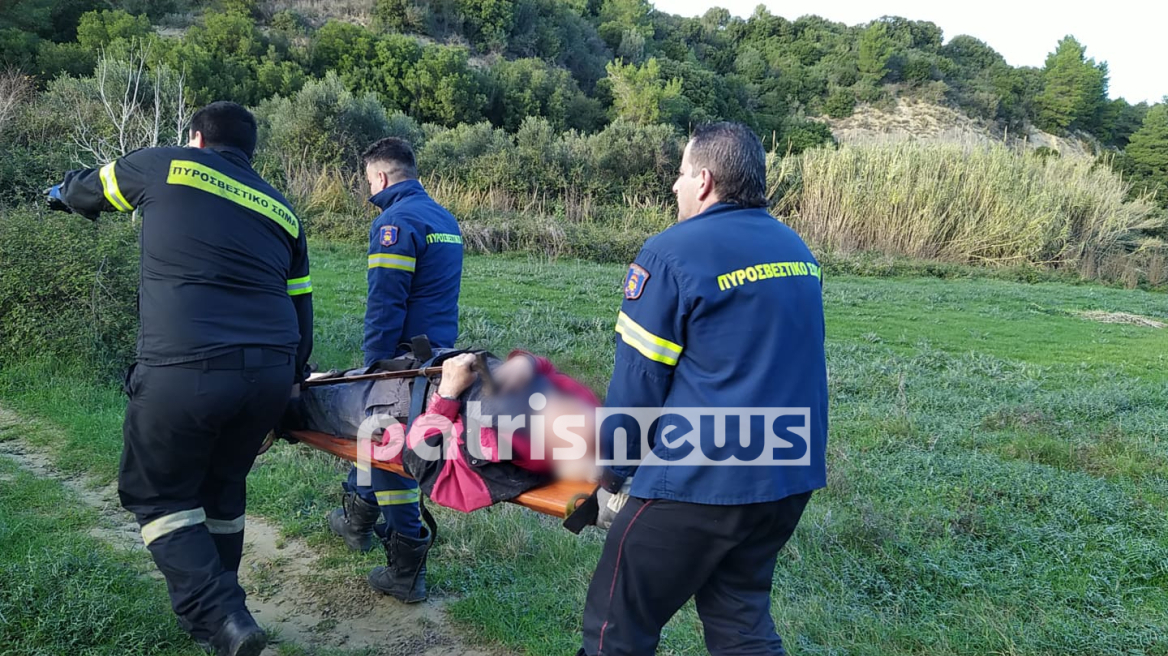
[[15, 88], [128, 105]]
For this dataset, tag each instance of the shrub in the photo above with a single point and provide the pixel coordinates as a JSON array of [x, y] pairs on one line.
[[98, 29], [523, 88], [840, 104], [627, 159], [472, 154], [31, 130], [67, 289], [322, 124]]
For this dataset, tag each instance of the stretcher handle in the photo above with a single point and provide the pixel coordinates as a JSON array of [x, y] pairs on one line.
[[381, 375]]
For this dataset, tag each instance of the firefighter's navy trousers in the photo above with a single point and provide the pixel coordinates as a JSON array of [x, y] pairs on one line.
[[190, 436], [659, 554]]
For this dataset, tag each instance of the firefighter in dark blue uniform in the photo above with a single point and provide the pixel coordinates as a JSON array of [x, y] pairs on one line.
[[225, 303], [722, 310], [415, 270]]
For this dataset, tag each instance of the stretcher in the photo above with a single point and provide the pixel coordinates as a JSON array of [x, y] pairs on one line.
[[558, 499]]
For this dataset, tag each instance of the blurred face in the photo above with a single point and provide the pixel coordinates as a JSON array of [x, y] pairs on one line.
[[377, 178], [583, 467], [693, 188]]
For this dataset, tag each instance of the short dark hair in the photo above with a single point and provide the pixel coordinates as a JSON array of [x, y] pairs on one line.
[[395, 152], [225, 123], [734, 155]]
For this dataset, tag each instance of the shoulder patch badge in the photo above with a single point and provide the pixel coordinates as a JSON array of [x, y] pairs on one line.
[[635, 282], [388, 235]]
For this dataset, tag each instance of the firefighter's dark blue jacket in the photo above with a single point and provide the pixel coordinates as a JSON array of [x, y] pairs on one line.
[[724, 310], [224, 260], [415, 270]]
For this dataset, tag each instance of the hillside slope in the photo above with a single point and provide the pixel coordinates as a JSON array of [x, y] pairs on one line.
[[914, 120]]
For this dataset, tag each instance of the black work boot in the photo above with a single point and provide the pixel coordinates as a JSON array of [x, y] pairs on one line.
[[354, 522], [404, 577], [239, 635]]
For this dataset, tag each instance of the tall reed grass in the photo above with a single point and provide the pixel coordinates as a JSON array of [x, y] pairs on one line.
[[973, 204], [967, 203]]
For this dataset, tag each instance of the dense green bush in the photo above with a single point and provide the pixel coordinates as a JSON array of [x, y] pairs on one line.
[[622, 161], [323, 124], [36, 149], [67, 288], [525, 88]]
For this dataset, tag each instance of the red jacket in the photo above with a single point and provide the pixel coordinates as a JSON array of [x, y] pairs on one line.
[[459, 484]]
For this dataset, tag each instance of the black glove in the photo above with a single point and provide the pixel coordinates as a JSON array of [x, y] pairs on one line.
[[57, 204]]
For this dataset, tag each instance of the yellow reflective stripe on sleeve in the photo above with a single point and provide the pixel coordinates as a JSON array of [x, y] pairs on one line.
[[226, 526], [205, 178], [397, 497], [109, 186], [391, 261], [168, 524], [298, 286], [648, 344]]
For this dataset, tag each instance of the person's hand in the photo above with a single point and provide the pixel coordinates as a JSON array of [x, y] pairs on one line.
[[515, 374], [457, 375], [55, 202], [611, 505], [269, 440]]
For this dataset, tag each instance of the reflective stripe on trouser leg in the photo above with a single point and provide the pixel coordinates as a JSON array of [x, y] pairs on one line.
[[226, 526], [168, 524], [203, 589], [398, 497]]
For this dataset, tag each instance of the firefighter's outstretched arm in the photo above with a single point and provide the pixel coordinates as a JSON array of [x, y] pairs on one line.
[[393, 257], [116, 187], [649, 344]]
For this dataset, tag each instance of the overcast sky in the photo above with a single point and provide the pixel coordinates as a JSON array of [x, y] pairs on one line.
[[1130, 35]]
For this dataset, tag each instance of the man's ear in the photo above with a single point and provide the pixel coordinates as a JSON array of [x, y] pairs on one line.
[[707, 186], [197, 140]]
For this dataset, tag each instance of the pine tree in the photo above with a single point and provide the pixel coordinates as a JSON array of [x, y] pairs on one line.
[[1074, 90], [876, 50], [1147, 152]]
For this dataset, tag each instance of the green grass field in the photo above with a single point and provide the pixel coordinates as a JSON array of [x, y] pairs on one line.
[[65, 592], [997, 481]]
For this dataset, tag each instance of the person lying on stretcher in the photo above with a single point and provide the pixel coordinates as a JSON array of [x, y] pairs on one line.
[[468, 448]]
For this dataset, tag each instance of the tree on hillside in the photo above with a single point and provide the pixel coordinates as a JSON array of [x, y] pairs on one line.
[[876, 50], [639, 93], [531, 87], [619, 17], [487, 23], [323, 123], [400, 15], [1074, 90], [1147, 153], [1122, 119], [98, 29]]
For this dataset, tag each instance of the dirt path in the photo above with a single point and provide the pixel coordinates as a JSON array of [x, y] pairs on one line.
[[291, 596]]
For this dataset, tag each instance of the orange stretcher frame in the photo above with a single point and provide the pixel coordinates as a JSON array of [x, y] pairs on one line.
[[557, 499]]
